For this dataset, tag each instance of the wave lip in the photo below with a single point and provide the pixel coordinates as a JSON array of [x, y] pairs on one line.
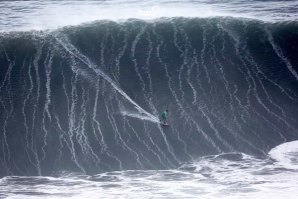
[[40, 15], [286, 154]]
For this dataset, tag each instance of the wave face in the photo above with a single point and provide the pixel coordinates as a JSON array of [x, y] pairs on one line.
[[87, 98]]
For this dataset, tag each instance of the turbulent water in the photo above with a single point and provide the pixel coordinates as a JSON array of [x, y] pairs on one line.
[[222, 176], [80, 98]]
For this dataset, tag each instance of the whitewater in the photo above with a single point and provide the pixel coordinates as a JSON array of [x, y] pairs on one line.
[[82, 84]]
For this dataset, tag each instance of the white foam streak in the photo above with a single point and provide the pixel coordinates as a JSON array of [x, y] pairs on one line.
[[140, 116], [73, 51]]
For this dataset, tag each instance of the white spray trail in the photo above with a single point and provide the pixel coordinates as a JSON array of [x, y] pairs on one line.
[[76, 53]]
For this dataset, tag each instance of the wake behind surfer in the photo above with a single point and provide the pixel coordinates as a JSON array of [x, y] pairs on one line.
[[164, 116]]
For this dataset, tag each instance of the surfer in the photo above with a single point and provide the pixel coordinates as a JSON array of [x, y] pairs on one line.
[[164, 116]]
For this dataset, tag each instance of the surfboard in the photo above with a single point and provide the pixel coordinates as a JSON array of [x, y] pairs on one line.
[[164, 124]]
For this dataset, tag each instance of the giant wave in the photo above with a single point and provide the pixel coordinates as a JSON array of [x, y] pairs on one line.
[[86, 98]]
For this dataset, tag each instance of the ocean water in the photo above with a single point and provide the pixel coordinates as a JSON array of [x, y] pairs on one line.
[[231, 175], [82, 84]]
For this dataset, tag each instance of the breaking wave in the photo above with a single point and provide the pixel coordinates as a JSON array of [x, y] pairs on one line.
[[87, 98]]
